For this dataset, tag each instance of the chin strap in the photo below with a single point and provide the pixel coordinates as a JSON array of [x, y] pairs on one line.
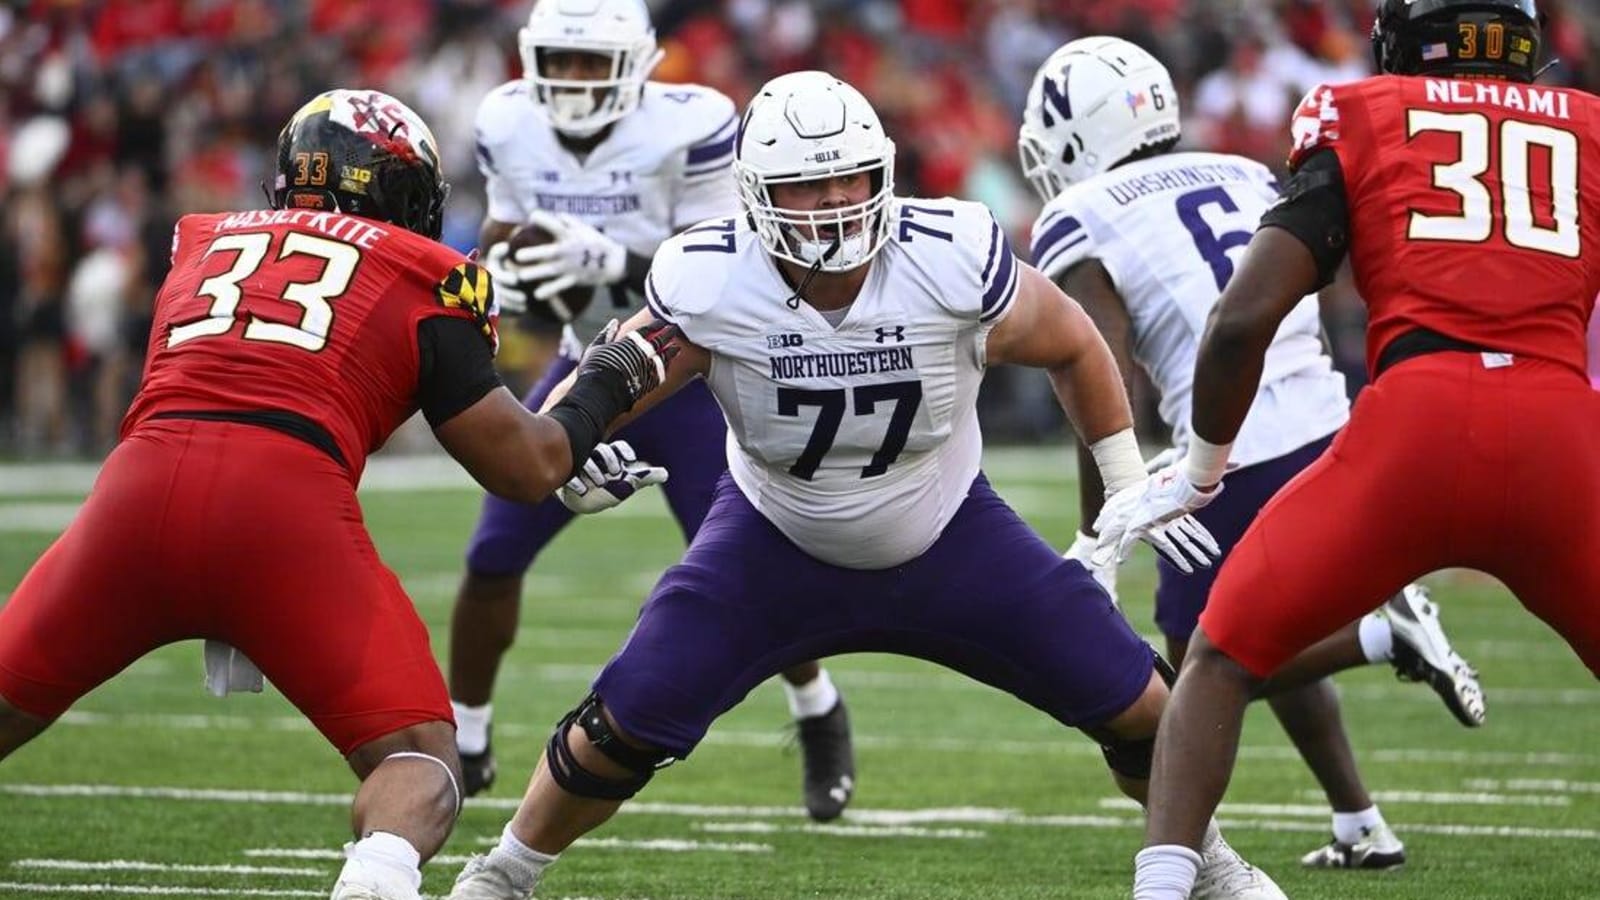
[[799, 293]]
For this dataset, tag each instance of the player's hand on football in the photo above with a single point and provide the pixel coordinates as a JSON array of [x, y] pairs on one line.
[[509, 291], [1156, 511], [610, 475], [579, 255], [640, 357], [1082, 550]]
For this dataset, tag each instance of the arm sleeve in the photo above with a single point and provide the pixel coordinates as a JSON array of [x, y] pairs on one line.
[[455, 368], [1315, 210]]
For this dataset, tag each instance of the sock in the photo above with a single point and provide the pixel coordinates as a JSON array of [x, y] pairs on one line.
[[1377, 638], [815, 698], [385, 862], [523, 865], [1164, 872], [1348, 826], [472, 726]]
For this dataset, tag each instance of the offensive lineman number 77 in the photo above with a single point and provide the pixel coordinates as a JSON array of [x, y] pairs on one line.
[[316, 319]]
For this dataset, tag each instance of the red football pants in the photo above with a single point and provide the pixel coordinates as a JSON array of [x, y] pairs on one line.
[[1445, 463], [233, 532]]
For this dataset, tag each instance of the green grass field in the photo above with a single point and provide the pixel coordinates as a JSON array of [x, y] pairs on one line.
[[151, 787]]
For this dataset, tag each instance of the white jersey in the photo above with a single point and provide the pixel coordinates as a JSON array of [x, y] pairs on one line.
[[666, 165], [858, 442], [1168, 231]]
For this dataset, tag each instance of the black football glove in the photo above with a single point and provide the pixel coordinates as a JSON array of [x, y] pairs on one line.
[[640, 357]]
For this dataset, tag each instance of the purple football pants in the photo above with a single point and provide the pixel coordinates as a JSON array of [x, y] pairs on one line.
[[989, 599]]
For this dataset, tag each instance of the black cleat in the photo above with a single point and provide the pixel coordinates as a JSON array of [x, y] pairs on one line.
[[477, 771], [830, 762]]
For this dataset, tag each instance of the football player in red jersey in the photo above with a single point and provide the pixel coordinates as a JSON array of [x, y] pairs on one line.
[[288, 344], [1456, 186]]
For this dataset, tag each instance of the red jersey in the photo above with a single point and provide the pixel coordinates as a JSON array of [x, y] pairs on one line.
[[1474, 208], [303, 313]]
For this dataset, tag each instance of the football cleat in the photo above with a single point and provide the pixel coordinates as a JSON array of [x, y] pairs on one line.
[[1224, 875], [481, 881], [478, 771], [356, 892], [1423, 653], [1378, 848], [829, 761]]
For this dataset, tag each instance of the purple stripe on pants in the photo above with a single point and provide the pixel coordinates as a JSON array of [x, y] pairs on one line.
[[989, 599], [685, 433]]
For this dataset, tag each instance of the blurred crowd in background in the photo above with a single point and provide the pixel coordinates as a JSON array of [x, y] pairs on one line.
[[118, 116]]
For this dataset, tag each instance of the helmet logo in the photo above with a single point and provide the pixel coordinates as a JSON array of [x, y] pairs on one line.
[[1135, 101], [816, 120], [1056, 97]]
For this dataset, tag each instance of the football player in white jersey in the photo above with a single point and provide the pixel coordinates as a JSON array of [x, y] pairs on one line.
[[845, 332], [611, 164], [1142, 236]]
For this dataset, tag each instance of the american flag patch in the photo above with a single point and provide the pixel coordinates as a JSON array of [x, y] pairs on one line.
[[1432, 52]]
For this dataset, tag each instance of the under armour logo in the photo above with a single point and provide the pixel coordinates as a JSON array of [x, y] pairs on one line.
[[591, 258], [621, 177], [898, 333]]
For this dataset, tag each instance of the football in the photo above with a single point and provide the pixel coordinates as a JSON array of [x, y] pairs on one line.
[[565, 306]]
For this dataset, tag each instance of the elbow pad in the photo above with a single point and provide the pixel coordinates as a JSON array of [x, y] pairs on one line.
[[1315, 210]]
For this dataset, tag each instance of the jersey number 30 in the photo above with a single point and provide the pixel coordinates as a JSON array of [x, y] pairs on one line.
[[316, 317], [1463, 177]]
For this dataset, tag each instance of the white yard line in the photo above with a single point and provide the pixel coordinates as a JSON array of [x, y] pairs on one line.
[[139, 865], [866, 831], [1067, 745], [150, 890], [1534, 784], [975, 815]]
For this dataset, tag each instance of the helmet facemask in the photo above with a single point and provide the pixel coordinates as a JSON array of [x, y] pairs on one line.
[[835, 239], [582, 107]]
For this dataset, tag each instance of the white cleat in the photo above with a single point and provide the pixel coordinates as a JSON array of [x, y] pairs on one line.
[[344, 891], [480, 881], [1423, 653], [1224, 875], [1378, 848]]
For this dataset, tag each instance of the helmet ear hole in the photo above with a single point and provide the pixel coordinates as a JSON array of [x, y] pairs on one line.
[[1068, 154]]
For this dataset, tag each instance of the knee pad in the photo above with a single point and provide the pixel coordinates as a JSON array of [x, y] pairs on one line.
[[575, 779], [1167, 672], [1132, 759]]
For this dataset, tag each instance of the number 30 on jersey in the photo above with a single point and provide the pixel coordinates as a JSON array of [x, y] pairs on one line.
[[1526, 151]]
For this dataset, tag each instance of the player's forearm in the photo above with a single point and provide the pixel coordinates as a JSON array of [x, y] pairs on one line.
[[1276, 272], [1227, 374], [1092, 394], [1091, 489]]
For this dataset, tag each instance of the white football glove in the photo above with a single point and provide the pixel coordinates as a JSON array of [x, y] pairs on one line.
[[1156, 510], [1082, 550], [610, 475], [579, 255], [508, 292]]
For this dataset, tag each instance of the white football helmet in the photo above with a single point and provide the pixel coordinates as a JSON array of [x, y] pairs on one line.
[[1093, 103], [801, 127], [618, 29]]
